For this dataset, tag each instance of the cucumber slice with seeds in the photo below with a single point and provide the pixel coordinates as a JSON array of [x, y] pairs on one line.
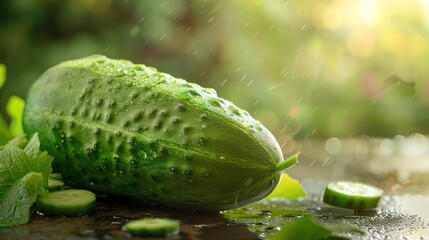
[[71, 202], [152, 227], [353, 195]]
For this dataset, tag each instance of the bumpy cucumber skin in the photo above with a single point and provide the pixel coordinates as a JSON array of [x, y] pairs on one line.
[[127, 129]]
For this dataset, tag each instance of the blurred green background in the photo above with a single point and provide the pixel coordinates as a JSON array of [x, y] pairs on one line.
[[305, 69]]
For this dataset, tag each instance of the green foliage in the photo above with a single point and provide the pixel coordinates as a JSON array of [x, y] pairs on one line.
[[288, 188], [15, 109], [308, 228], [297, 70], [2, 75], [5, 134], [24, 173]]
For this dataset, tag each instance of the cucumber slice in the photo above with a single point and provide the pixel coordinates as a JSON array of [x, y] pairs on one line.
[[55, 184], [152, 227], [71, 202], [56, 176], [353, 195]]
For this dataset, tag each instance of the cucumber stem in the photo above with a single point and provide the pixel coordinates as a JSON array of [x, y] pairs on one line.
[[292, 160]]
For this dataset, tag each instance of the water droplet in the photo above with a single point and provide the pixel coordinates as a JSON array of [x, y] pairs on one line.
[[210, 90], [201, 141], [99, 102], [185, 95], [204, 106], [138, 67], [120, 73]]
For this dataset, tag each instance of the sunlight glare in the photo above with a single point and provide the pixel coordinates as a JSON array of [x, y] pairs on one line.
[[368, 12]]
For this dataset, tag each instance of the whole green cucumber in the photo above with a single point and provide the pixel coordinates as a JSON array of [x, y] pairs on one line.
[[127, 129]]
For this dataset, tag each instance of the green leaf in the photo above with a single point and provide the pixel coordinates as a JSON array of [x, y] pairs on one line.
[[344, 228], [5, 134], [15, 109], [16, 203], [288, 188], [2, 75], [308, 228], [305, 228], [23, 174]]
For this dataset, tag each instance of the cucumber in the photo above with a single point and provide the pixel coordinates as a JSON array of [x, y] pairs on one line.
[[56, 176], [152, 227], [353, 195], [126, 129], [71, 202], [55, 184]]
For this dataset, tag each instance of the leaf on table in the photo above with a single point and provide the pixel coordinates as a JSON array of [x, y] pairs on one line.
[[15, 109], [304, 228], [23, 174], [288, 188], [308, 228]]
